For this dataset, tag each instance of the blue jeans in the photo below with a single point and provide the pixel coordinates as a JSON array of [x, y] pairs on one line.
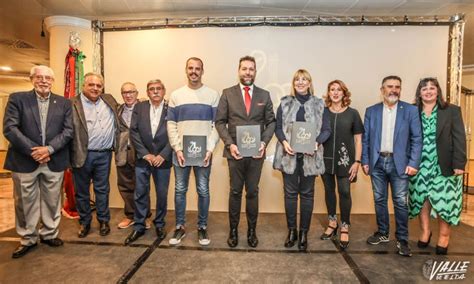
[[95, 168], [161, 178], [201, 175], [384, 173]]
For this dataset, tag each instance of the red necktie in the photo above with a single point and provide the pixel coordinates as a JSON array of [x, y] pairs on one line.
[[248, 99]]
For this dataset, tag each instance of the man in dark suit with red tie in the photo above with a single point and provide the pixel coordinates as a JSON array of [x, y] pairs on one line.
[[244, 104], [38, 126]]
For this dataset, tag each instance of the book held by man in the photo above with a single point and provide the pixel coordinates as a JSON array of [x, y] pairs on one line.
[[248, 140], [194, 150]]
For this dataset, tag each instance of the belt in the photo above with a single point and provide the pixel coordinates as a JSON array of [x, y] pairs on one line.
[[386, 154], [101, 150]]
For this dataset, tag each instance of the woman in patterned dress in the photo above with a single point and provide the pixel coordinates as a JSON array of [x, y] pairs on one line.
[[437, 188], [342, 153]]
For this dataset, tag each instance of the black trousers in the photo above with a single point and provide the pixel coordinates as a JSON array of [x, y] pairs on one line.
[[344, 190], [294, 185], [245, 172]]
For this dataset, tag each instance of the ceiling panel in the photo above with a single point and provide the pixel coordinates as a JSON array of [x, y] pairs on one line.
[[143, 6], [296, 5]]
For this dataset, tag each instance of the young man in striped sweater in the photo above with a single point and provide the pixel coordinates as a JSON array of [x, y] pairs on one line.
[[192, 111]]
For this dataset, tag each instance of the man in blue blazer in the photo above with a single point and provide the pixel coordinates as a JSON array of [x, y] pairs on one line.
[[391, 153], [38, 126], [149, 136]]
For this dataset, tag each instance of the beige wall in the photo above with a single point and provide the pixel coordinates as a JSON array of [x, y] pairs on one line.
[[468, 80], [8, 86]]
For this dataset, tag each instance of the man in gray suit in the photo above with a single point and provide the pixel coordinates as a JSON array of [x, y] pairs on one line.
[[96, 131], [125, 157], [244, 104], [38, 125]]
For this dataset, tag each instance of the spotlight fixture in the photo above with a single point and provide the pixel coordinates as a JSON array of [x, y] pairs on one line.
[[6, 68], [42, 29]]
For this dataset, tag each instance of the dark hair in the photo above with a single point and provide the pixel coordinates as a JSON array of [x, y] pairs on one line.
[[248, 58], [391, 77], [195, 59], [346, 99], [439, 100]]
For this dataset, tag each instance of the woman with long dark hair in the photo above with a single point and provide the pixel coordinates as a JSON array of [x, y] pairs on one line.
[[437, 188]]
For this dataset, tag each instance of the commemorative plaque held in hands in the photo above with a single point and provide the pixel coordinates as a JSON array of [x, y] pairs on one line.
[[194, 150], [248, 140], [303, 137]]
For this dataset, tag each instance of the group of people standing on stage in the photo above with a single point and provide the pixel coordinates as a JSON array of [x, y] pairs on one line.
[[418, 149]]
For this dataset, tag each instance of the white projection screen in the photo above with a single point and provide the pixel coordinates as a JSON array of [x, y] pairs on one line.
[[358, 55]]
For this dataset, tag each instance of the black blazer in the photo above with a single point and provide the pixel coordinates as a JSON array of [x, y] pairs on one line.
[[22, 128], [231, 112], [140, 135], [450, 140]]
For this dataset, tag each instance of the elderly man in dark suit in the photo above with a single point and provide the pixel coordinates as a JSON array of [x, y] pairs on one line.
[[149, 136], [244, 104], [96, 131], [38, 125]]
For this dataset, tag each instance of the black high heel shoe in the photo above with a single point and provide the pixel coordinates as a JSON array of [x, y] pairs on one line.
[[292, 238], [344, 244], [422, 244], [441, 250], [329, 236]]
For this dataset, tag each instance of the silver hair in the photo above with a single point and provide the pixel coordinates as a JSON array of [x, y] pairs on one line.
[[44, 67]]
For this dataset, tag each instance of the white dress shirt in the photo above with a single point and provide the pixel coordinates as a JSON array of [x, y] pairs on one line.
[[243, 91], [155, 117], [388, 128]]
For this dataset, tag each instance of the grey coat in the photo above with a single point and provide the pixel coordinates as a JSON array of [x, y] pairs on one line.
[[314, 109]]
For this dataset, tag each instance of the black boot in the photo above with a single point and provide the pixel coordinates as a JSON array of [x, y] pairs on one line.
[[303, 240], [292, 238]]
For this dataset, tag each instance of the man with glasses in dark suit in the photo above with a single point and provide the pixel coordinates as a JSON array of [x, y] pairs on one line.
[[38, 126]]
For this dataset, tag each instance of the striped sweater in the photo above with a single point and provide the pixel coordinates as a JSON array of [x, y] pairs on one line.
[[192, 112]]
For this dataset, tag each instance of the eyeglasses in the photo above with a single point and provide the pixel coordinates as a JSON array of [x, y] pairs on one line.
[[153, 89], [43, 78], [128, 93]]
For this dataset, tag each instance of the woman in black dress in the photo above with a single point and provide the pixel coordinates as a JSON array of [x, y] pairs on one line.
[[342, 153]]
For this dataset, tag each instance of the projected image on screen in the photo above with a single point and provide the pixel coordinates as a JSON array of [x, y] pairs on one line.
[[358, 55]]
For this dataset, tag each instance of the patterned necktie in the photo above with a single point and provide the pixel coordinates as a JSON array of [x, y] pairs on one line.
[[248, 99]]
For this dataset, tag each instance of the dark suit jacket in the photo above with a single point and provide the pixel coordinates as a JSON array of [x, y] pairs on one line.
[[450, 140], [231, 113], [81, 137], [22, 128], [407, 138], [122, 157], [141, 136]]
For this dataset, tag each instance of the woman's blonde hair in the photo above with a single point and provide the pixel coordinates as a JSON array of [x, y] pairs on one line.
[[305, 74]]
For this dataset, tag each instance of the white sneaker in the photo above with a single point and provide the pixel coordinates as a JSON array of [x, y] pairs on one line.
[[178, 235], [203, 237]]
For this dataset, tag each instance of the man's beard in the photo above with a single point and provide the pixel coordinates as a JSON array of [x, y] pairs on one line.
[[392, 99], [246, 83]]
